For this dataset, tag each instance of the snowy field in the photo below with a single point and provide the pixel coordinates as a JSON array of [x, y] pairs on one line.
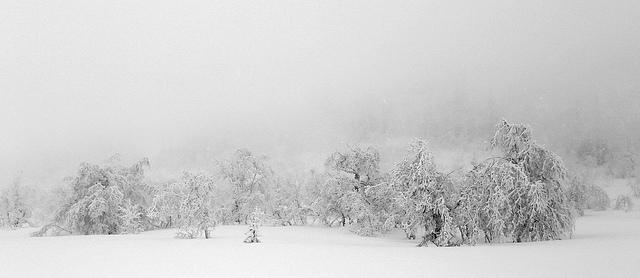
[[605, 244]]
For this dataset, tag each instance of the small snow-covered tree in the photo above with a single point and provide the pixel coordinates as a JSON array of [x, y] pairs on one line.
[[427, 196], [634, 185], [577, 195], [597, 198], [196, 209], [14, 208], [623, 202], [255, 220]]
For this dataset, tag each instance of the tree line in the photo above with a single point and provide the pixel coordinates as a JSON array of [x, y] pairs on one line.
[[523, 194]]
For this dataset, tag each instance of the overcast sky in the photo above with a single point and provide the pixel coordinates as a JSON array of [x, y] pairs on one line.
[[81, 80]]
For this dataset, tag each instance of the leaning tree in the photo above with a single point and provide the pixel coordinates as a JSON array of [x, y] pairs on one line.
[[520, 195], [105, 199]]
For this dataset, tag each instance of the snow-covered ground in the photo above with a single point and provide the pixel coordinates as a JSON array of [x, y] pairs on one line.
[[605, 244]]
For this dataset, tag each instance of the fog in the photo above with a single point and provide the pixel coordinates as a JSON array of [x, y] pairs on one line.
[[184, 82]]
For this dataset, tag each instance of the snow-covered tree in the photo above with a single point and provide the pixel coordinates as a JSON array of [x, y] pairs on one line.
[[623, 202], [356, 192], [363, 164], [287, 204], [519, 196], [328, 195], [634, 185], [583, 196], [132, 216], [15, 209], [427, 197], [255, 220], [165, 208], [103, 199], [487, 198], [249, 177], [196, 213], [597, 198], [577, 195]]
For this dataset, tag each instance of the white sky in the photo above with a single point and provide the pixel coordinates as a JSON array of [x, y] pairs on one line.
[[83, 79]]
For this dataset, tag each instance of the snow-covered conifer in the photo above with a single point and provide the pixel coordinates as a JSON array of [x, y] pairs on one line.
[[255, 220]]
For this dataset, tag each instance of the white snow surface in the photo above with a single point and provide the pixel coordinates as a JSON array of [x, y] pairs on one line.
[[605, 244]]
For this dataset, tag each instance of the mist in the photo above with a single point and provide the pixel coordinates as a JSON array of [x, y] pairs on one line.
[[184, 83]]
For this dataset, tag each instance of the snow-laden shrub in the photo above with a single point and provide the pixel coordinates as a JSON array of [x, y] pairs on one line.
[[597, 198], [623, 202], [518, 196]]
